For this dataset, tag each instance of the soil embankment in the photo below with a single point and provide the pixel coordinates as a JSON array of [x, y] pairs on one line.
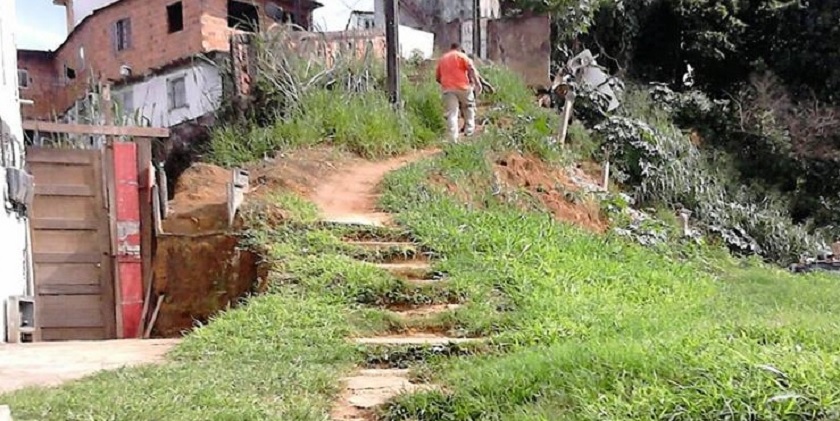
[[200, 265]]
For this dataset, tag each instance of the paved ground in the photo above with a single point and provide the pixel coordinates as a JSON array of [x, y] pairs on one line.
[[52, 363]]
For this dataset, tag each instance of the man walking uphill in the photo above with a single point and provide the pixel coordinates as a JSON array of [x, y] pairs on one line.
[[458, 78]]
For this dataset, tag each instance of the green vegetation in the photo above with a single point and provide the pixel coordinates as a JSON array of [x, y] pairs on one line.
[[276, 357], [301, 102], [273, 359], [604, 329], [579, 326], [663, 166]]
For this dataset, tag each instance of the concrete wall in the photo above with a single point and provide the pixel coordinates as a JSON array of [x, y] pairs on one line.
[[427, 14], [411, 15], [414, 41], [150, 98], [13, 227], [523, 44], [451, 10]]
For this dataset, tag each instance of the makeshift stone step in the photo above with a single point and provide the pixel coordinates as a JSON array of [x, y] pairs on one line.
[[425, 281], [407, 270], [425, 310], [380, 245], [370, 388], [414, 339], [377, 219]]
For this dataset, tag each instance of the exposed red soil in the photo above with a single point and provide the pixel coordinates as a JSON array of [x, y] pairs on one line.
[[353, 190], [200, 265], [550, 185]]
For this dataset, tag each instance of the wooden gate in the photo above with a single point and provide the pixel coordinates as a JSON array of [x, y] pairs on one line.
[[71, 245]]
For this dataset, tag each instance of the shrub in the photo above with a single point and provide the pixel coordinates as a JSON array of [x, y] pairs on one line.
[[299, 102], [665, 166]]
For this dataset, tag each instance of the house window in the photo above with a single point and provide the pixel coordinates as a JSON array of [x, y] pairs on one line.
[[122, 34], [23, 79], [177, 92], [125, 102], [175, 17], [69, 72], [243, 16]]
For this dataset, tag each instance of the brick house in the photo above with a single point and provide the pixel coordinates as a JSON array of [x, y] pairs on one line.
[[159, 55]]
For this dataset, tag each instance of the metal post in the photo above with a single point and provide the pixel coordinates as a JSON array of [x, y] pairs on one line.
[[476, 28], [392, 40], [567, 114], [605, 184]]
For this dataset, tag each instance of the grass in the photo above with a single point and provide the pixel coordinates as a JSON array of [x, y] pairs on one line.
[[274, 359], [582, 327], [605, 329], [361, 122], [278, 356]]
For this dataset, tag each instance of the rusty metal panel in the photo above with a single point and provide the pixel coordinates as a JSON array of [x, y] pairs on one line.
[[128, 257], [70, 248], [523, 44]]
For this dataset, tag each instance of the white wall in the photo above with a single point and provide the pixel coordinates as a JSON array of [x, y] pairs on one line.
[[83, 8], [335, 14], [414, 40], [204, 91], [13, 228]]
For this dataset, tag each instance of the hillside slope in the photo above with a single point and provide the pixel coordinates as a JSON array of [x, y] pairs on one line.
[[500, 301]]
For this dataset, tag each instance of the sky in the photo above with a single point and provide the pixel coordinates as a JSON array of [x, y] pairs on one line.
[[42, 25]]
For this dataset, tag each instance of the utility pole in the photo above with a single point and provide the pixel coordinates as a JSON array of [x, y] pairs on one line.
[[476, 28], [392, 39]]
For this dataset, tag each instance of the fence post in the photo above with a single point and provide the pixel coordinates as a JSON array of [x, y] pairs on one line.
[[392, 38]]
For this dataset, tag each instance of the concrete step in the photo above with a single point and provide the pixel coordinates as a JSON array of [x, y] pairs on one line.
[[414, 339]]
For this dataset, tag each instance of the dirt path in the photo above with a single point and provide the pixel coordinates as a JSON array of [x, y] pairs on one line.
[[350, 196], [53, 363]]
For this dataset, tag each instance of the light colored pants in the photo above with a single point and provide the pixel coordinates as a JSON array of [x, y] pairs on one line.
[[455, 103]]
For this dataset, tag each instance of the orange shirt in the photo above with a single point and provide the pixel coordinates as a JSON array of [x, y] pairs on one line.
[[452, 71]]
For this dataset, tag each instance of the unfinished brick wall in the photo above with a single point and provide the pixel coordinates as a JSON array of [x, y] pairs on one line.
[[152, 46], [214, 23], [43, 82], [333, 44]]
